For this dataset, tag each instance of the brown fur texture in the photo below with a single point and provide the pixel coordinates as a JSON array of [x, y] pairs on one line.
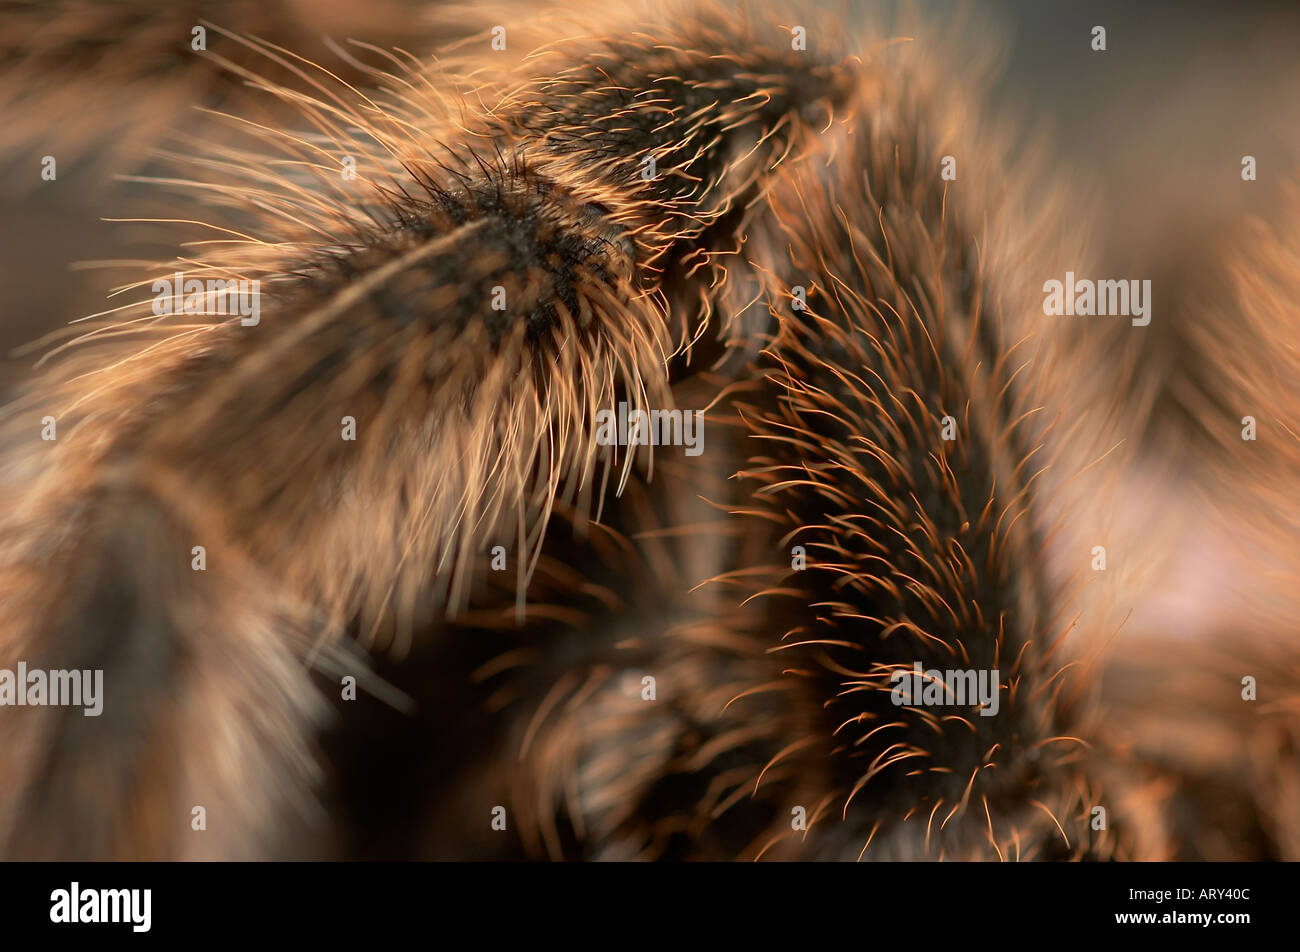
[[394, 311], [530, 238]]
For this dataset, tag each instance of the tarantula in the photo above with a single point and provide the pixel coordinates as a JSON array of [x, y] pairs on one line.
[[387, 472]]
